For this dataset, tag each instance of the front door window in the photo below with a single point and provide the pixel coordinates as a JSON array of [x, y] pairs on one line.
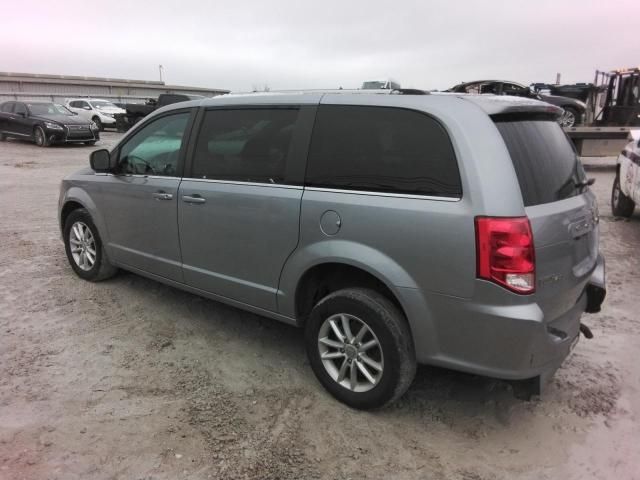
[[155, 149]]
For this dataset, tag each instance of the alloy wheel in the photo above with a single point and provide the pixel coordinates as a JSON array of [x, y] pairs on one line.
[[83, 246], [39, 137], [355, 361], [568, 119]]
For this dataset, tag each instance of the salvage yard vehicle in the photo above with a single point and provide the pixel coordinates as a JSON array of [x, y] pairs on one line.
[[396, 229], [101, 112], [132, 113], [626, 186], [573, 109], [45, 123], [613, 109]]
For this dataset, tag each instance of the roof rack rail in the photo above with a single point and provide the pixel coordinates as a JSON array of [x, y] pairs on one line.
[[386, 91]]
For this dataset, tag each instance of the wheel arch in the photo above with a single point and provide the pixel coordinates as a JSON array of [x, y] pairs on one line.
[[322, 279], [356, 262], [75, 198]]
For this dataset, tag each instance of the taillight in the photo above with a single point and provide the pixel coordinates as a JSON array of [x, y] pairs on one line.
[[505, 254]]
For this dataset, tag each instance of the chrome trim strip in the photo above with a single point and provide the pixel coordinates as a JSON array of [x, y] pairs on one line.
[[12, 133], [385, 194], [138, 175], [239, 182], [294, 187]]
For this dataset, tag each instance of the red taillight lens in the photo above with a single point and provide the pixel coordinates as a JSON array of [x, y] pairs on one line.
[[505, 254]]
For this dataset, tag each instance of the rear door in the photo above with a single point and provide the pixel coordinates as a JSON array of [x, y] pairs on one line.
[[239, 209], [562, 210]]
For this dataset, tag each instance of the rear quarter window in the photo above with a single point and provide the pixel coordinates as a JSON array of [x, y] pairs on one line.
[[382, 149], [546, 164]]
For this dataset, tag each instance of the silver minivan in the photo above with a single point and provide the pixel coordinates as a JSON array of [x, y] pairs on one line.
[[396, 229]]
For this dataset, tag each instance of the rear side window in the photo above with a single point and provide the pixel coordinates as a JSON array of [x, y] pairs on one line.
[[20, 108], [7, 107], [546, 164], [247, 145], [382, 149]]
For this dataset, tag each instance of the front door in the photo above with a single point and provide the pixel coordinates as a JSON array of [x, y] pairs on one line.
[[21, 122], [139, 199], [239, 210]]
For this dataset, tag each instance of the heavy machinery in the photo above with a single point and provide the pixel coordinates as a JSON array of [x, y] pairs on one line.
[[613, 110]]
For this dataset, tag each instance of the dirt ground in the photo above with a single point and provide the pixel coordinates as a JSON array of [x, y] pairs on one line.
[[130, 379]]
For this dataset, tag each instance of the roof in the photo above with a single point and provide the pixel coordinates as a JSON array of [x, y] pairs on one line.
[[490, 104]]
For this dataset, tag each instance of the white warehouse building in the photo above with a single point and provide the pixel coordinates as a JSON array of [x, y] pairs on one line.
[[57, 88]]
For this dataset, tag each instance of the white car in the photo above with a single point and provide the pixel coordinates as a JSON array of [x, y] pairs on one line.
[[626, 186], [100, 111]]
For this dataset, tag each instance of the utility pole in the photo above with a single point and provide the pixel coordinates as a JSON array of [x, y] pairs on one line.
[[160, 69]]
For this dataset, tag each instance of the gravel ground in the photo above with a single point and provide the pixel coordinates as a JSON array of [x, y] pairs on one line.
[[131, 379]]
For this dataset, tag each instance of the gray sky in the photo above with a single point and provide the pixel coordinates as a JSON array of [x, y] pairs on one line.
[[321, 44]]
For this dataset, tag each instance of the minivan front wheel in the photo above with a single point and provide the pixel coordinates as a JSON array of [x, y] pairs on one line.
[[360, 348], [621, 205], [84, 248]]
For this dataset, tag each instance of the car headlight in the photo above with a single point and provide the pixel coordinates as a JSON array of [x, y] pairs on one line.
[[53, 126], [109, 115]]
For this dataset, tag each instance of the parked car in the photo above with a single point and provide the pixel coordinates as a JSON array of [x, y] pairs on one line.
[[101, 112], [45, 123], [626, 186], [450, 230], [134, 112], [381, 85], [574, 109]]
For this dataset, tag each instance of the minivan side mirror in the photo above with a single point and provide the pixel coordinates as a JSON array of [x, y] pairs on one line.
[[100, 161]]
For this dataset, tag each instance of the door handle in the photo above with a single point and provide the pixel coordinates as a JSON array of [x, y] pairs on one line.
[[193, 198], [162, 196]]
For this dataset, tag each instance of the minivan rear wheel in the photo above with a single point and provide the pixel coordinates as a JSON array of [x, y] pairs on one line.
[[360, 348], [621, 205], [84, 248]]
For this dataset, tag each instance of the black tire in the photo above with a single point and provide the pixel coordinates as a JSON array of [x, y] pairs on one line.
[[92, 142], [101, 268], [40, 137], [98, 123], [621, 205], [388, 327]]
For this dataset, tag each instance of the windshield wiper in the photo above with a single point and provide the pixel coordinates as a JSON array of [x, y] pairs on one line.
[[585, 183]]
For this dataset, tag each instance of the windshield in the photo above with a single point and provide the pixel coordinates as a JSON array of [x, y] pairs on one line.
[[100, 104], [48, 109]]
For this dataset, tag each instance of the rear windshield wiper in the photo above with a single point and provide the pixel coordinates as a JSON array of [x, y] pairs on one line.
[[585, 183]]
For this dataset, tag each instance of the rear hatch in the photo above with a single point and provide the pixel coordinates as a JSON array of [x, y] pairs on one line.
[[561, 208]]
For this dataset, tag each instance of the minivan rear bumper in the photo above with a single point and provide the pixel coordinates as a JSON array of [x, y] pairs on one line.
[[512, 342]]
